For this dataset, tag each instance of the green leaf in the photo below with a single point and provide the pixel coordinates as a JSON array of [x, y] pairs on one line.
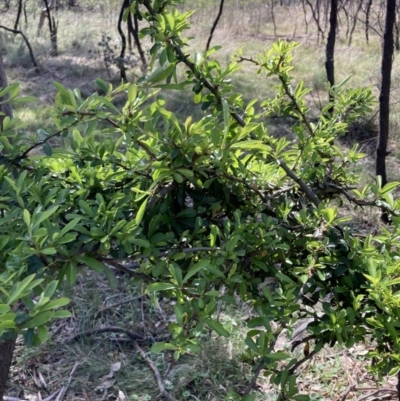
[[132, 93], [39, 217], [69, 227], [140, 242], [140, 213], [26, 283], [216, 326], [38, 320], [258, 145], [48, 151], [43, 334], [62, 314], [278, 356], [159, 347], [201, 265], [160, 74], [250, 397], [112, 280], [4, 308], [57, 303], [394, 370], [91, 263], [102, 85], [27, 218], [160, 287], [301, 397]]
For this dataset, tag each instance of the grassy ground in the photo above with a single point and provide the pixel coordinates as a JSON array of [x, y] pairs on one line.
[[107, 367], [104, 366]]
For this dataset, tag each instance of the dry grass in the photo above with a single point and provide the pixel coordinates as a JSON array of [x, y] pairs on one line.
[[105, 365]]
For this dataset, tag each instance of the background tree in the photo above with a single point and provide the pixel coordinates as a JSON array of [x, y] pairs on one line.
[[384, 96]]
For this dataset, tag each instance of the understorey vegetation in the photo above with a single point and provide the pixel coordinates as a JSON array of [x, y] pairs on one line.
[[202, 211]]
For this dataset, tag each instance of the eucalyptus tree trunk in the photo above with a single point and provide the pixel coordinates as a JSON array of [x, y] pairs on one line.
[[7, 345], [384, 96]]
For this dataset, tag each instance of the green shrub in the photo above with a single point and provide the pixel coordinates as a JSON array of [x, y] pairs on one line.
[[203, 210]]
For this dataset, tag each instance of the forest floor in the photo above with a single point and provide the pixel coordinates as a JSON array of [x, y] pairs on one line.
[[92, 365], [106, 366]]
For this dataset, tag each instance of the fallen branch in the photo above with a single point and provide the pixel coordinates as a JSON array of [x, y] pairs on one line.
[[156, 373]]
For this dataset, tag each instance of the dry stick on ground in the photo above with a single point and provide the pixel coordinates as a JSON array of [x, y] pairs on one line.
[[347, 392], [156, 373], [376, 392], [65, 388], [115, 329], [27, 44], [221, 7], [111, 329], [125, 301]]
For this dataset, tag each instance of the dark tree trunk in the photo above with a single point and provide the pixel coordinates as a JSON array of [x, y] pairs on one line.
[[6, 357], [384, 96], [6, 345], [18, 15], [52, 28], [221, 8], [330, 46], [133, 29], [121, 63]]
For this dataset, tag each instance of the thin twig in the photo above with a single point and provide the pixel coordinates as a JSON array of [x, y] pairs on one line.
[[25, 154], [376, 392], [156, 373], [221, 7], [65, 388], [306, 189], [299, 363], [125, 301], [347, 392]]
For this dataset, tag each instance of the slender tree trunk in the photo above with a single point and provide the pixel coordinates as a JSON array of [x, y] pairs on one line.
[[221, 8], [18, 15], [6, 344], [330, 46], [6, 107], [133, 29], [384, 96], [52, 28], [121, 63], [367, 18], [355, 18]]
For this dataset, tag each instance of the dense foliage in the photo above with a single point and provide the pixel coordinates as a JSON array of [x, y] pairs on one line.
[[202, 211]]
